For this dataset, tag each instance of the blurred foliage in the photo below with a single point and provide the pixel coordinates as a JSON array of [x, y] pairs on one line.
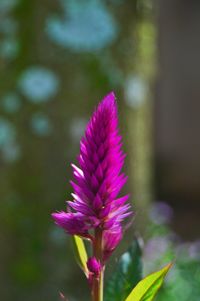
[[126, 282], [147, 288], [126, 275], [163, 245]]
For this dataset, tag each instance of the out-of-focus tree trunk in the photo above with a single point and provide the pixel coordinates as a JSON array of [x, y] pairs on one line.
[[139, 94], [177, 106]]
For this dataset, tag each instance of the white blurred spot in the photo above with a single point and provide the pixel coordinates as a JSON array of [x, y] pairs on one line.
[[41, 125], [135, 91], [77, 128], [38, 84], [125, 260], [86, 26]]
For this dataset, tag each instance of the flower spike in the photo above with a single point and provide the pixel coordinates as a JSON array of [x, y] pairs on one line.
[[96, 212]]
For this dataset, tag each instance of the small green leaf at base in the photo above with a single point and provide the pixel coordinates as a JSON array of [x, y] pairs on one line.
[[80, 253], [127, 274], [148, 287]]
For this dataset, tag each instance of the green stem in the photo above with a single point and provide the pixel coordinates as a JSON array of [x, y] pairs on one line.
[[97, 286], [101, 285]]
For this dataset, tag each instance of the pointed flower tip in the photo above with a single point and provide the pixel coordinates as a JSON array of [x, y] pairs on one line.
[[58, 217], [111, 96], [54, 215], [109, 99]]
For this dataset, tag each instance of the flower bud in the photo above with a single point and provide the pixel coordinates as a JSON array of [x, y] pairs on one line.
[[94, 266]]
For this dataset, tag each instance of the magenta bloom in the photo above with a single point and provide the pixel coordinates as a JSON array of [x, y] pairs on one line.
[[98, 181], [94, 266]]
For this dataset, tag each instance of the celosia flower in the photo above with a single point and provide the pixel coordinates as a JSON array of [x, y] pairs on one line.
[[98, 181]]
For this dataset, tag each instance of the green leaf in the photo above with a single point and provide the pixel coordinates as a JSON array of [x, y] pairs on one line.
[[80, 253], [148, 287], [128, 273]]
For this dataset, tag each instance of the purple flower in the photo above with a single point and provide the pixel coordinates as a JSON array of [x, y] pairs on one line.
[[71, 222], [161, 213], [94, 266], [111, 239], [98, 181]]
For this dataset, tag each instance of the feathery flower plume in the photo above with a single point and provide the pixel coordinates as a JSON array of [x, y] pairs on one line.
[[96, 211]]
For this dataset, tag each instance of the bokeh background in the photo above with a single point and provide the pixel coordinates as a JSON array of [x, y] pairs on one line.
[[58, 58]]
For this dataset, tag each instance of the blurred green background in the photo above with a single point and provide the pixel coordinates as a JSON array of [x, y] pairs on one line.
[[58, 58]]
